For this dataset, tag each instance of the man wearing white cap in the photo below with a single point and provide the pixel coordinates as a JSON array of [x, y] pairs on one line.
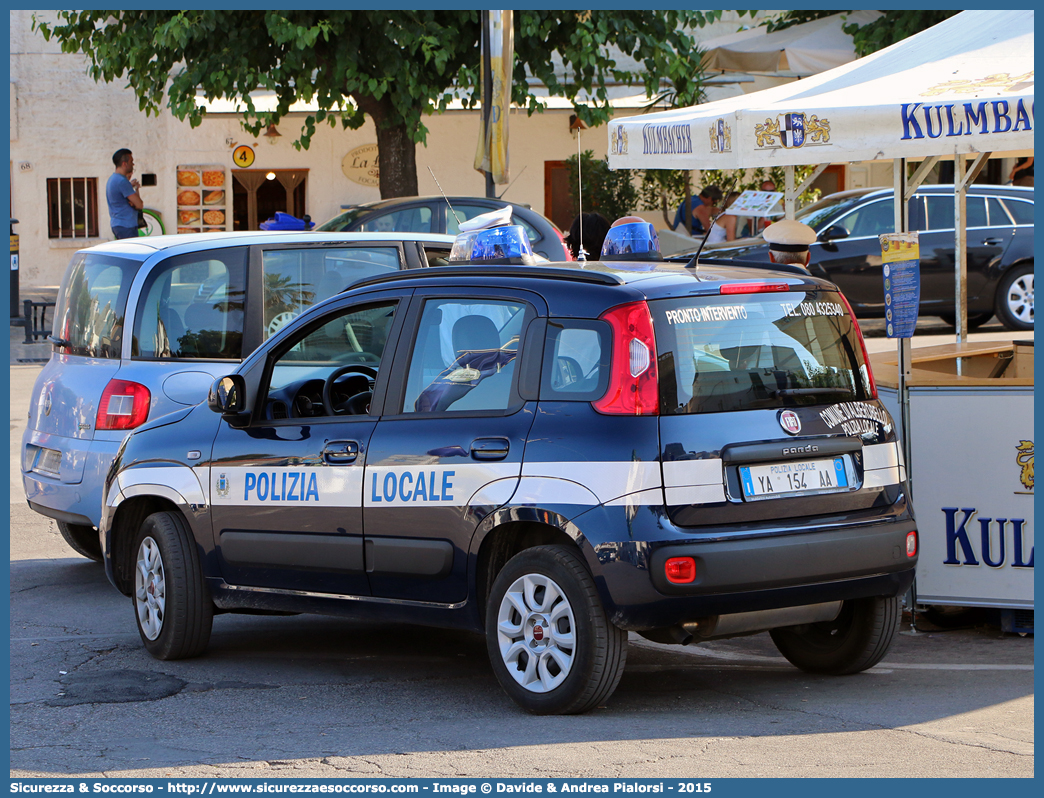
[[789, 241]]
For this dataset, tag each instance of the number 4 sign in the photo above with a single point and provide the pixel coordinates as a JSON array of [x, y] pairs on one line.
[[243, 156]]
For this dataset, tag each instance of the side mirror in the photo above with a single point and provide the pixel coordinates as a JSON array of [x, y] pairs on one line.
[[227, 395], [833, 232]]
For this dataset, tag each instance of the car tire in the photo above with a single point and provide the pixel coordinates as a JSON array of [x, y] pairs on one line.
[[857, 639], [82, 539], [974, 319], [1014, 304], [172, 606], [552, 647]]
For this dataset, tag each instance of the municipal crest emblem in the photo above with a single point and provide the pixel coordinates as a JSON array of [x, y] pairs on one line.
[[791, 131], [720, 136], [618, 143], [222, 486]]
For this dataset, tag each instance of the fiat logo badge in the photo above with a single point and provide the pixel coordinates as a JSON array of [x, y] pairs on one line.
[[538, 633], [789, 420]]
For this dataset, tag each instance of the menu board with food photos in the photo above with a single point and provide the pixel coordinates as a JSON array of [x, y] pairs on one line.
[[202, 203]]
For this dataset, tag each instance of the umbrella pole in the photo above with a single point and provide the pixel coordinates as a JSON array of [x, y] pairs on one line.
[[902, 225], [789, 195], [961, 179]]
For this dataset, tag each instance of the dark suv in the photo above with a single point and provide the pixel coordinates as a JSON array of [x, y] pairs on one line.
[[552, 455], [848, 252], [433, 215]]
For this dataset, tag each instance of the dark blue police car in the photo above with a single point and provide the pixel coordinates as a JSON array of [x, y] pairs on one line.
[[552, 454]]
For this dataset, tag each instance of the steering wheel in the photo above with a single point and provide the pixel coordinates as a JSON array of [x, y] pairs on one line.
[[280, 321], [351, 406]]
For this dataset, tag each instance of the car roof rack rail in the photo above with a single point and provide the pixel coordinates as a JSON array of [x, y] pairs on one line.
[[542, 272]]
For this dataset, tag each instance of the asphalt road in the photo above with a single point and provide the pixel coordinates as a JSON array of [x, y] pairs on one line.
[[320, 697]]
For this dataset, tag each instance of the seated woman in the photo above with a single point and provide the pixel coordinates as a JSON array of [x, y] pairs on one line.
[[724, 228]]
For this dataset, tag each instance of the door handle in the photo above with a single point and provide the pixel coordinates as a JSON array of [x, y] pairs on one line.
[[340, 452], [490, 448], [993, 242]]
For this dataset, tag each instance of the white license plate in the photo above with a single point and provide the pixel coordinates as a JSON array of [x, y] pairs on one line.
[[49, 461], [797, 477]]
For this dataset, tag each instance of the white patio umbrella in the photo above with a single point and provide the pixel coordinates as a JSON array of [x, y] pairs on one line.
[[964, 85]]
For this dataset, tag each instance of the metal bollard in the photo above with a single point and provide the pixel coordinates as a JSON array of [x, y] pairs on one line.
[[27, 320]]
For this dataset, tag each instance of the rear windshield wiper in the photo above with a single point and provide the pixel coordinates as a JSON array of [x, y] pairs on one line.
[[811, 391], [54, 339]]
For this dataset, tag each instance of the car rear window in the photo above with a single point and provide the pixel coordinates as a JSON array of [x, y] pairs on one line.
[[764, 350], [192, 306], [1021, 210], [92, 303]]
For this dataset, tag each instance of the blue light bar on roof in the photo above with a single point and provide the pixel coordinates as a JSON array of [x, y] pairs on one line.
[[634, 241], [506, 244]]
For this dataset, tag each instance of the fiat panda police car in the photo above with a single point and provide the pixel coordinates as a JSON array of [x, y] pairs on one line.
[[552, 454]]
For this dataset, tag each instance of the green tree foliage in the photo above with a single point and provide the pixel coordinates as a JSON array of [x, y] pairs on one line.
[[394, 67], [743, 180], [610, 192], [892, 27]]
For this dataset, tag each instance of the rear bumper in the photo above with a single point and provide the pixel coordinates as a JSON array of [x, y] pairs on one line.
[[759, 573], [65, 500]]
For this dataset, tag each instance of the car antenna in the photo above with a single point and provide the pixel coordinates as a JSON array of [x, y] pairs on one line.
[[581, 253], [509, 185], [455, 216], [696, 258]]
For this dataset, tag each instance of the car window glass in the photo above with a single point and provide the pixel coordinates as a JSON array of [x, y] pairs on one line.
[[192, 307], [998, 216], [817, 213], [296, 279], [342, 221], [940, 211], [576, 360], [976, 212], [91, 304], [437, 256], [872, 219], [465, 212], [464, 356], [756, 351], [1021, 211], [345, 349], [415, 219]]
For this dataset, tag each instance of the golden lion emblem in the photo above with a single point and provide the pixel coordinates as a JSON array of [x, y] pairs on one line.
[[767, 132], [818, 129], [1025, 459]]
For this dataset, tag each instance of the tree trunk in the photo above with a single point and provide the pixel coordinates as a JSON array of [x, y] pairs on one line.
[[397, 159], [396, 151]]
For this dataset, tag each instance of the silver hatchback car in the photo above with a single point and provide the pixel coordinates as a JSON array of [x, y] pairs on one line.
[[143, 326]]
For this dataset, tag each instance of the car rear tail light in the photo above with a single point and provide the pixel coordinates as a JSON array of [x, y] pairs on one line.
[[680, 570], [633, 381], [124, 405], [871, 384], [752, 288], [911, 544]]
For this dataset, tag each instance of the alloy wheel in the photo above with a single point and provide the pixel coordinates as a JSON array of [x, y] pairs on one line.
[[536, 633], [150, 597], [1019, 298]]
